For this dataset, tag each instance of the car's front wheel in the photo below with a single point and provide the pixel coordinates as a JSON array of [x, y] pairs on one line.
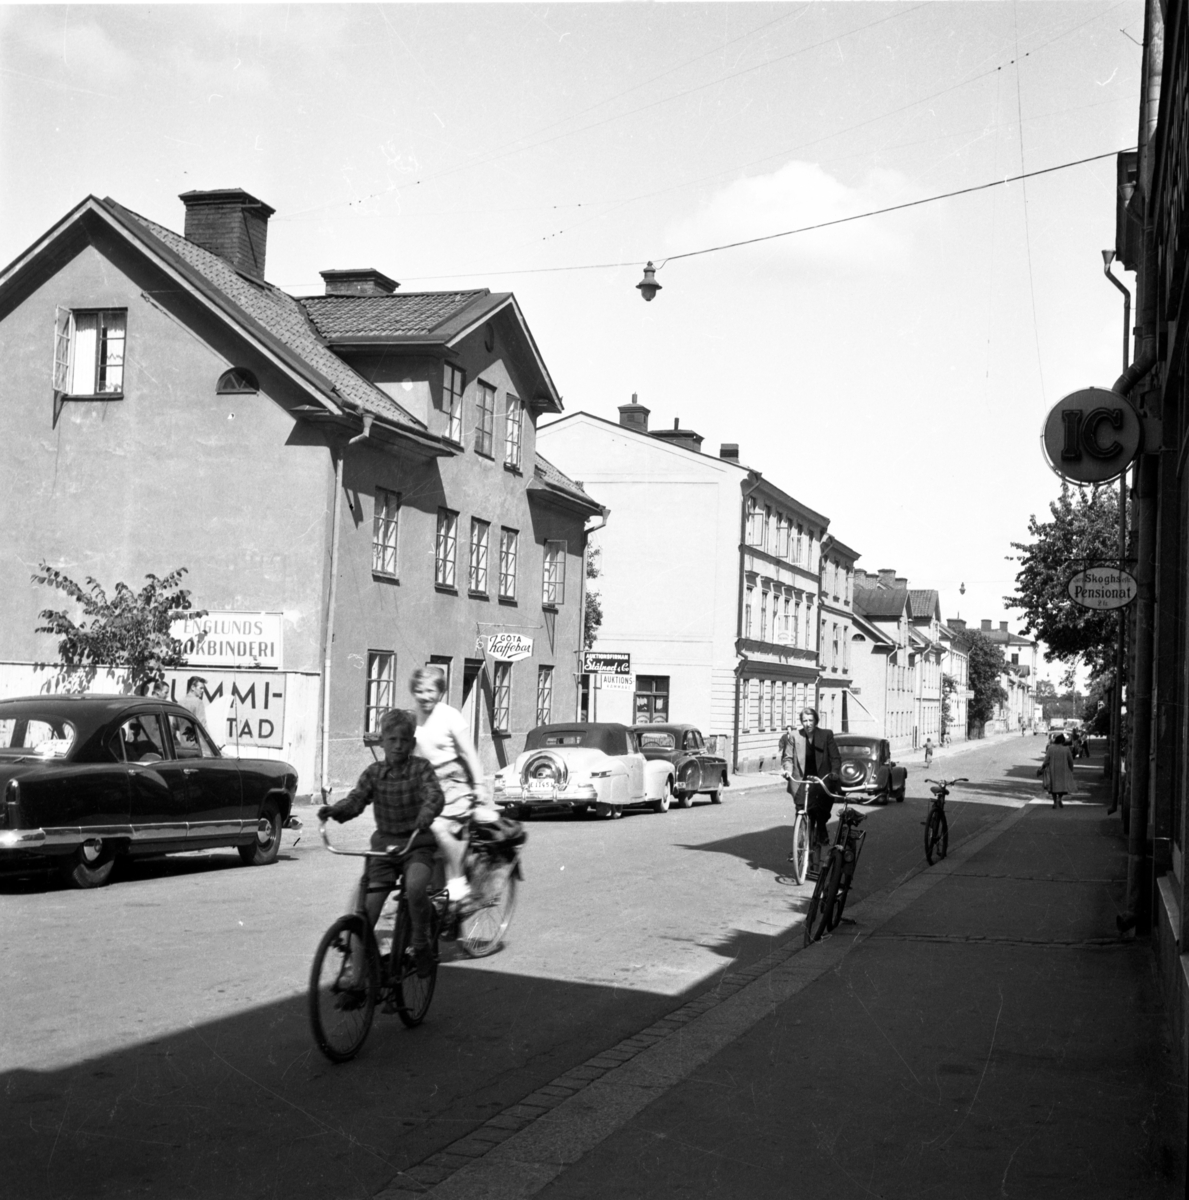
[[661, 804], [91, 865], [267, 843]]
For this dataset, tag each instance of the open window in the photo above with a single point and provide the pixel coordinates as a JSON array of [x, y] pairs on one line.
[[89, 352]]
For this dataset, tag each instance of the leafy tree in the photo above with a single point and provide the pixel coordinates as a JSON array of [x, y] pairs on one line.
[[1083, 530], [949, 685], [593, 616], [985, 664], [128, 629]]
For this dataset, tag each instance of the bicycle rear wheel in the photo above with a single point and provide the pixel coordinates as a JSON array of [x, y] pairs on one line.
[[344, 985], [937, 836], [800, 853], [488, 913], [412, 991], [822, 902]]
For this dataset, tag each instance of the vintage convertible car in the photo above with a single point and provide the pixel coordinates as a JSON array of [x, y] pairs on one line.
[[867, 765], [584, 766], [695, 769], [88, 779]]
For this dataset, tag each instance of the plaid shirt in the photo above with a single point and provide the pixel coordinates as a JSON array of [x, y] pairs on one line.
[[405, 794]]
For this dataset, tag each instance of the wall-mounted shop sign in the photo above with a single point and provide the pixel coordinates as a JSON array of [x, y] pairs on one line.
[[243, 708], [611, 682], [1091, 436], [607, 662], [232, 639], [1103, 588], [508, 647]]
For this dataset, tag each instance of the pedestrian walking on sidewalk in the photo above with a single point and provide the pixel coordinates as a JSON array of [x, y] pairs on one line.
[[1056, 772], [928, 751]]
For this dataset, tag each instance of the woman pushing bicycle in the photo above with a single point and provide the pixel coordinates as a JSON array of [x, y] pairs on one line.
[[812, 752]]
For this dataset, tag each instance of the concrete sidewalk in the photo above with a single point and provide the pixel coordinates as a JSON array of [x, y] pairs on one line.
[[981, 1031]]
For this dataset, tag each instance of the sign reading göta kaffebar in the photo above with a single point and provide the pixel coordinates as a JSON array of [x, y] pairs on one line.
[[1091, 436]]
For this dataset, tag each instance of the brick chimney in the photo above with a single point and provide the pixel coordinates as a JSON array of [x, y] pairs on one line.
[[986, 626], [1002, 626], [887, 577], [685, 438], [902, 581], [230, 223], [634, 416], [729, 451], [358, 281], [957, 623]]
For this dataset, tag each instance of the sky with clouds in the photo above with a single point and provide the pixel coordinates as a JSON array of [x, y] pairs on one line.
[[892, 372]]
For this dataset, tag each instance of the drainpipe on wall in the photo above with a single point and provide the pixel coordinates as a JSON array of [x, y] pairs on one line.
[[334, 579], [1137, 913], [756, 480], [606, 512]]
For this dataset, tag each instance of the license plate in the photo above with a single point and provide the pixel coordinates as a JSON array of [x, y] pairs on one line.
[[541, 787]]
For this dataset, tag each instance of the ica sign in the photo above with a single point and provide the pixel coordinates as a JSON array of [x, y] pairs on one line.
[[1091, 436]]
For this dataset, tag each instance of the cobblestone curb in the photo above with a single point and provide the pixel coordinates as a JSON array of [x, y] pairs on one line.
[[521, 1150]]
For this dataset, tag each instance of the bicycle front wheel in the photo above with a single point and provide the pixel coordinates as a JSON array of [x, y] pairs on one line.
[[800, 854], [822, 902], [488, 913], [937, 836], [344, 984], [413, 989]]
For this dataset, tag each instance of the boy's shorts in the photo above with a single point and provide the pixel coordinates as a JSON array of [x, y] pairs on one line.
[[383, 872]]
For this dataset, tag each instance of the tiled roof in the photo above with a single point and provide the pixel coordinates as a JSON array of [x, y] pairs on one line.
[[923, 602], [405, 314], [551, 477], [880, 602], [282, 317]]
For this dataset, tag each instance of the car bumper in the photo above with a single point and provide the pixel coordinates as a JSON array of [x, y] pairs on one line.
[[21, 839], [569, 797]]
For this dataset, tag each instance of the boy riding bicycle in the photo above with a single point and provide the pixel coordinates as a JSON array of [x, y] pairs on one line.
[[407, 798]]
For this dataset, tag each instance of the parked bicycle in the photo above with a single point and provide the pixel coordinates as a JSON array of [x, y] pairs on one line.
[[837, 870], [349, 979], [937, 827]]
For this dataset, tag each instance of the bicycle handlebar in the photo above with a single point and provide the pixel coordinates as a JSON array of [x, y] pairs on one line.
[[947, 782], [366, 853], [844, 795]]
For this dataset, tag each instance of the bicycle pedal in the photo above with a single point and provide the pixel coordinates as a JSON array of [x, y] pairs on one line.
[[390, 1009]]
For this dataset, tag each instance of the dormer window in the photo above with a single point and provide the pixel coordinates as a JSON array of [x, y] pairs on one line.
[[238, 381], [89, 351]]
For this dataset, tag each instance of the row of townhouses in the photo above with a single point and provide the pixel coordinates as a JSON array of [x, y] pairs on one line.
[[366, 481]]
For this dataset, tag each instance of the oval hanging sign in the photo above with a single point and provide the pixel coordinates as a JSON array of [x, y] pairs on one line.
[[1103, 588]]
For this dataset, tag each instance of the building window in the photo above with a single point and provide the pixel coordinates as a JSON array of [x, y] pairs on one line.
[[763, 616], [652, 699], [484, 418], [480, 539], [381, 673], [509, 546], [89, 352], [553, 590], [501, 709], [453, 382], [744, 707], [754, 517], [239, 381], [769, 695], [513, 432], [782, 536], [786, 628], [765, 532], [544, 695], [797, 623], [799, 547], [753, 703], [446, 548], [748, 602], [834, 651], [384, 526]]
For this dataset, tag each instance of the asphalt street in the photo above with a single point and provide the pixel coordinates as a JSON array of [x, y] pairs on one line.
[[155, 1040]]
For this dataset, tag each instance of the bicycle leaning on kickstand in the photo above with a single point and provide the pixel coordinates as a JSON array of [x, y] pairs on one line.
[[837, 869], [937, 828]]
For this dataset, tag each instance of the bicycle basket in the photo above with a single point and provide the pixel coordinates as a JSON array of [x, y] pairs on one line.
[[502, 837]]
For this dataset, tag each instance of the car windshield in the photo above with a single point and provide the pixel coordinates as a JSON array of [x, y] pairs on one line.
[[856, 750], [32, 732], [650, 740]]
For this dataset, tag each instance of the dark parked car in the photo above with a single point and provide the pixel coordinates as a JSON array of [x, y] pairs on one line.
[[695, 769], [88, 779], [867, 764]]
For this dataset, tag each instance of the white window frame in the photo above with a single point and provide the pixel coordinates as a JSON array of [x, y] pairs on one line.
[[553, 573], [105, 352], [480, 544], [513, 431], [485, 419], [501, 697], [381, 682], [748, 605], [453, 386], [446, 549], [544, 695], [385, 531], [509, 554]]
